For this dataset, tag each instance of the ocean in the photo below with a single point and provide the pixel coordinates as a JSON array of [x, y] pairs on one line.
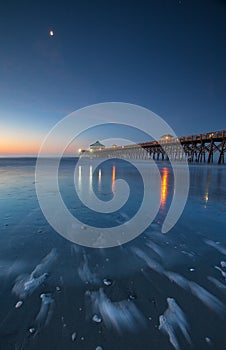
[[158, 291]]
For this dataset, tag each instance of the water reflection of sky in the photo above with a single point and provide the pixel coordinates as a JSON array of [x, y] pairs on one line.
[[146, 271]]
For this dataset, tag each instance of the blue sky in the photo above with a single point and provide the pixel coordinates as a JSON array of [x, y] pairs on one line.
[[166, 55]]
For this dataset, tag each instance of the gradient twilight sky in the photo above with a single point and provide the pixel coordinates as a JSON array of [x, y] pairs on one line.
[[166, 55]]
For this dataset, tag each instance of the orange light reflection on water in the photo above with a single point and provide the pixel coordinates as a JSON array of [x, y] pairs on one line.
[[164, 187], [113, 178]]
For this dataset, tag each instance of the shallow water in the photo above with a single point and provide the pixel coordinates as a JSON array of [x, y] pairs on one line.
[[159, 291]]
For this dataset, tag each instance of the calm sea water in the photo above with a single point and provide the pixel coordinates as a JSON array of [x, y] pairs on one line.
[[159, 291]]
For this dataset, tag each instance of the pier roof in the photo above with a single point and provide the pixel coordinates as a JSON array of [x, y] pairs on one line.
[[97, 144]]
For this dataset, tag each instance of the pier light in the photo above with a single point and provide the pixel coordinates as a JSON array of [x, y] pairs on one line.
[[166, 137]]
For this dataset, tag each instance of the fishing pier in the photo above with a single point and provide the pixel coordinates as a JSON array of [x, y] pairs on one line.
[[200, 148]]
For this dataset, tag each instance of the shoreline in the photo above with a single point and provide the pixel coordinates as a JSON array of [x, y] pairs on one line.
[[134, 161]]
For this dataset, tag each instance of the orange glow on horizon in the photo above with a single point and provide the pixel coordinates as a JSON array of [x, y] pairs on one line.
[[19, 143], [16, 147]]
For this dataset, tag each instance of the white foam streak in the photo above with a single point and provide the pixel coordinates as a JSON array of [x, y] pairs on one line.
[[217, 283], [173, 320], [207, 298], [154, 265], [121, 315], [221, 271], [86, 274], [168, 329], [26, 284], [45, 311], [201, 293], [45, 264], [218, 247]]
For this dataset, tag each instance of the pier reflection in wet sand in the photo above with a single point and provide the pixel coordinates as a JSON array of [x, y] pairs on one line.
[[164, 187]]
